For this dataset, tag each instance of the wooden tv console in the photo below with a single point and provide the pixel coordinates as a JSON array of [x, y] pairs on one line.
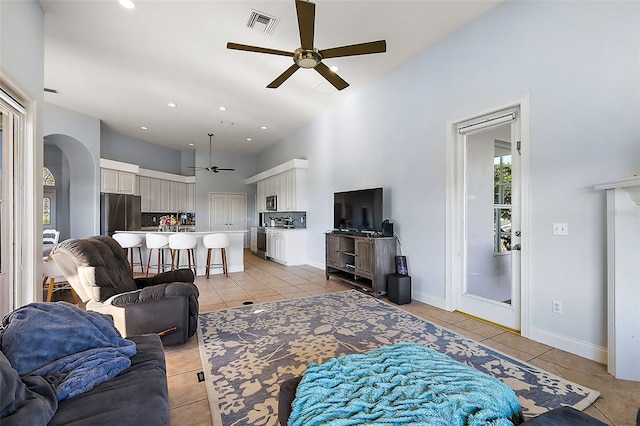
[[361, 260]]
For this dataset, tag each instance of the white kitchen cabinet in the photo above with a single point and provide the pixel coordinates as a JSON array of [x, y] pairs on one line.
[[145, 193], [227, 212], [116, 181], [164, 196], [289, 187], [287, 246], [254, 239], [262, 196], [190, 206], [177, 196]]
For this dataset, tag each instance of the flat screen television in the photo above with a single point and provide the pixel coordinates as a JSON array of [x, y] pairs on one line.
[[358, 211]]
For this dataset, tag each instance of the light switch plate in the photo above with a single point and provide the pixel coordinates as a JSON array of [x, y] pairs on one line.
[[560, 229]]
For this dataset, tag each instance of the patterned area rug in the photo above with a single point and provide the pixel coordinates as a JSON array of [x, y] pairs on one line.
[[247, 352]]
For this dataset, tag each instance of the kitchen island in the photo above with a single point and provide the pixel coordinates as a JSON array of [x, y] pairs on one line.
[[235, 252]]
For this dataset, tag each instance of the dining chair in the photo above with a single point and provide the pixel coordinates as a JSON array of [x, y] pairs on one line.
[[53, 278]]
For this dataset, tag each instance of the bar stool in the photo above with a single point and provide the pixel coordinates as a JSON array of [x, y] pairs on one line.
[[55, 279], [158, 242], [216, 241], [129, 242], [182, 241]]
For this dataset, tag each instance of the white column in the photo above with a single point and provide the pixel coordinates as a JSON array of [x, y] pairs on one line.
[[623, 277]]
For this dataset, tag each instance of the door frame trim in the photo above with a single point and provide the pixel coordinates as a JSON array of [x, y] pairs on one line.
[[453, 187]]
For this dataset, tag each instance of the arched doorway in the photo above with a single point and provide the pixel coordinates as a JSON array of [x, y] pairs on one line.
[[76, 189]]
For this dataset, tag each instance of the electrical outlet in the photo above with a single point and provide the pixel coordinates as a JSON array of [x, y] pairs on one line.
[[560, 229], [556, 307]]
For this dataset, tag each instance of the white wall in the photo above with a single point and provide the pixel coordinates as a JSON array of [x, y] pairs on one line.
[[580, 63]]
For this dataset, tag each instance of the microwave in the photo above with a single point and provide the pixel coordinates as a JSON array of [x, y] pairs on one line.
[[272, 203]]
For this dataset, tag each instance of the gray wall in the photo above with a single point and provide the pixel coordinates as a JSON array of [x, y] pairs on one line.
[[224, 182], [147, 155], [580, 63], [78, 137], [22, 68]]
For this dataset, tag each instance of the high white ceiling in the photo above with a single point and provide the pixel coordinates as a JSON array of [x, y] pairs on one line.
[[124, 66]]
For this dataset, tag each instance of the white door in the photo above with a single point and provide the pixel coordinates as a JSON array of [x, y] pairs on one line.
[[218, 212], [227, 212], [237, 219], [488, 218]]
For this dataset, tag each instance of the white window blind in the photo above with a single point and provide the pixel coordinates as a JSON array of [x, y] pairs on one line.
[[11, 102], [484, 123]]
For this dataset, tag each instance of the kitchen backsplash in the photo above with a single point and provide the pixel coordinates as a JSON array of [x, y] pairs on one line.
[[299, 218], [152, 219]]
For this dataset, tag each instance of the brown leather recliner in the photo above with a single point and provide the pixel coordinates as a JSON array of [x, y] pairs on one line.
[[98, 270]]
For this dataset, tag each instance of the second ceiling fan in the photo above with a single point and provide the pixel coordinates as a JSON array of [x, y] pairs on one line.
[[211, 168], [307, 56]]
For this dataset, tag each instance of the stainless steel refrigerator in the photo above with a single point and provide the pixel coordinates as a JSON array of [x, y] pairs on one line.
[[119, 212]]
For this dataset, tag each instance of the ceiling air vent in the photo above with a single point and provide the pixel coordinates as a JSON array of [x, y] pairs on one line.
[[262, 22]]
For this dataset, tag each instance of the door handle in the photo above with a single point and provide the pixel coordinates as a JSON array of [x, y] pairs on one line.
[[517, 247]]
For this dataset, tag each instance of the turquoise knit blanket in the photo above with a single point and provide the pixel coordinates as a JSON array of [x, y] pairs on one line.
[[402, 384]]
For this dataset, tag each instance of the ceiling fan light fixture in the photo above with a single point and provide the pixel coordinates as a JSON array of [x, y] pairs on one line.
[[127, 4], [307, 58]]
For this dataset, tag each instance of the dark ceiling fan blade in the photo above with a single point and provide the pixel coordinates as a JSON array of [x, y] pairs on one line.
[[283, 77], [228, 170], [306, 23], [379, 46], [247, 48], [331, 76]]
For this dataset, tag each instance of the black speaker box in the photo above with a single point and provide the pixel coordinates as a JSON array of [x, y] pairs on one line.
[[387, 229], [399, 288]]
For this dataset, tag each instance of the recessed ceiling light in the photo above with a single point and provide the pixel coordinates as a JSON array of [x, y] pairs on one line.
[[172, 105], [263, 127], [127, 4], [334, 68], [222, 108], [191, 144], [144, 127], [249, 139]]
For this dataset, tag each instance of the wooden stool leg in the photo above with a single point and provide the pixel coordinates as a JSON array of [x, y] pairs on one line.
[[224, 262], [208, 263], [149, 261], [76, 301], [173, 256], [140, 257], [50, 290], [131, 260]]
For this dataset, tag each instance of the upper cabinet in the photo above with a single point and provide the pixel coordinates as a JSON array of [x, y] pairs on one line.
[[166, 196], [117, 177], [159, 192], [287, 182]]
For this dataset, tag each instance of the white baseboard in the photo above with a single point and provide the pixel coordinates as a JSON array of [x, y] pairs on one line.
[[428, 299], [316, 265], [574, 346]]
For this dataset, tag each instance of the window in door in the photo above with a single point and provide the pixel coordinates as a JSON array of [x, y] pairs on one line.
[[48, 199], [502, 197]]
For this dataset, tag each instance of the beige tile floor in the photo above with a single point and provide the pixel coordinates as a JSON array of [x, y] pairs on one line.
[[265, 281]]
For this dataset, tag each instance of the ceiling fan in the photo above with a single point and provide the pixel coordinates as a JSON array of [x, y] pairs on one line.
[[211, 168], [307, 56]]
